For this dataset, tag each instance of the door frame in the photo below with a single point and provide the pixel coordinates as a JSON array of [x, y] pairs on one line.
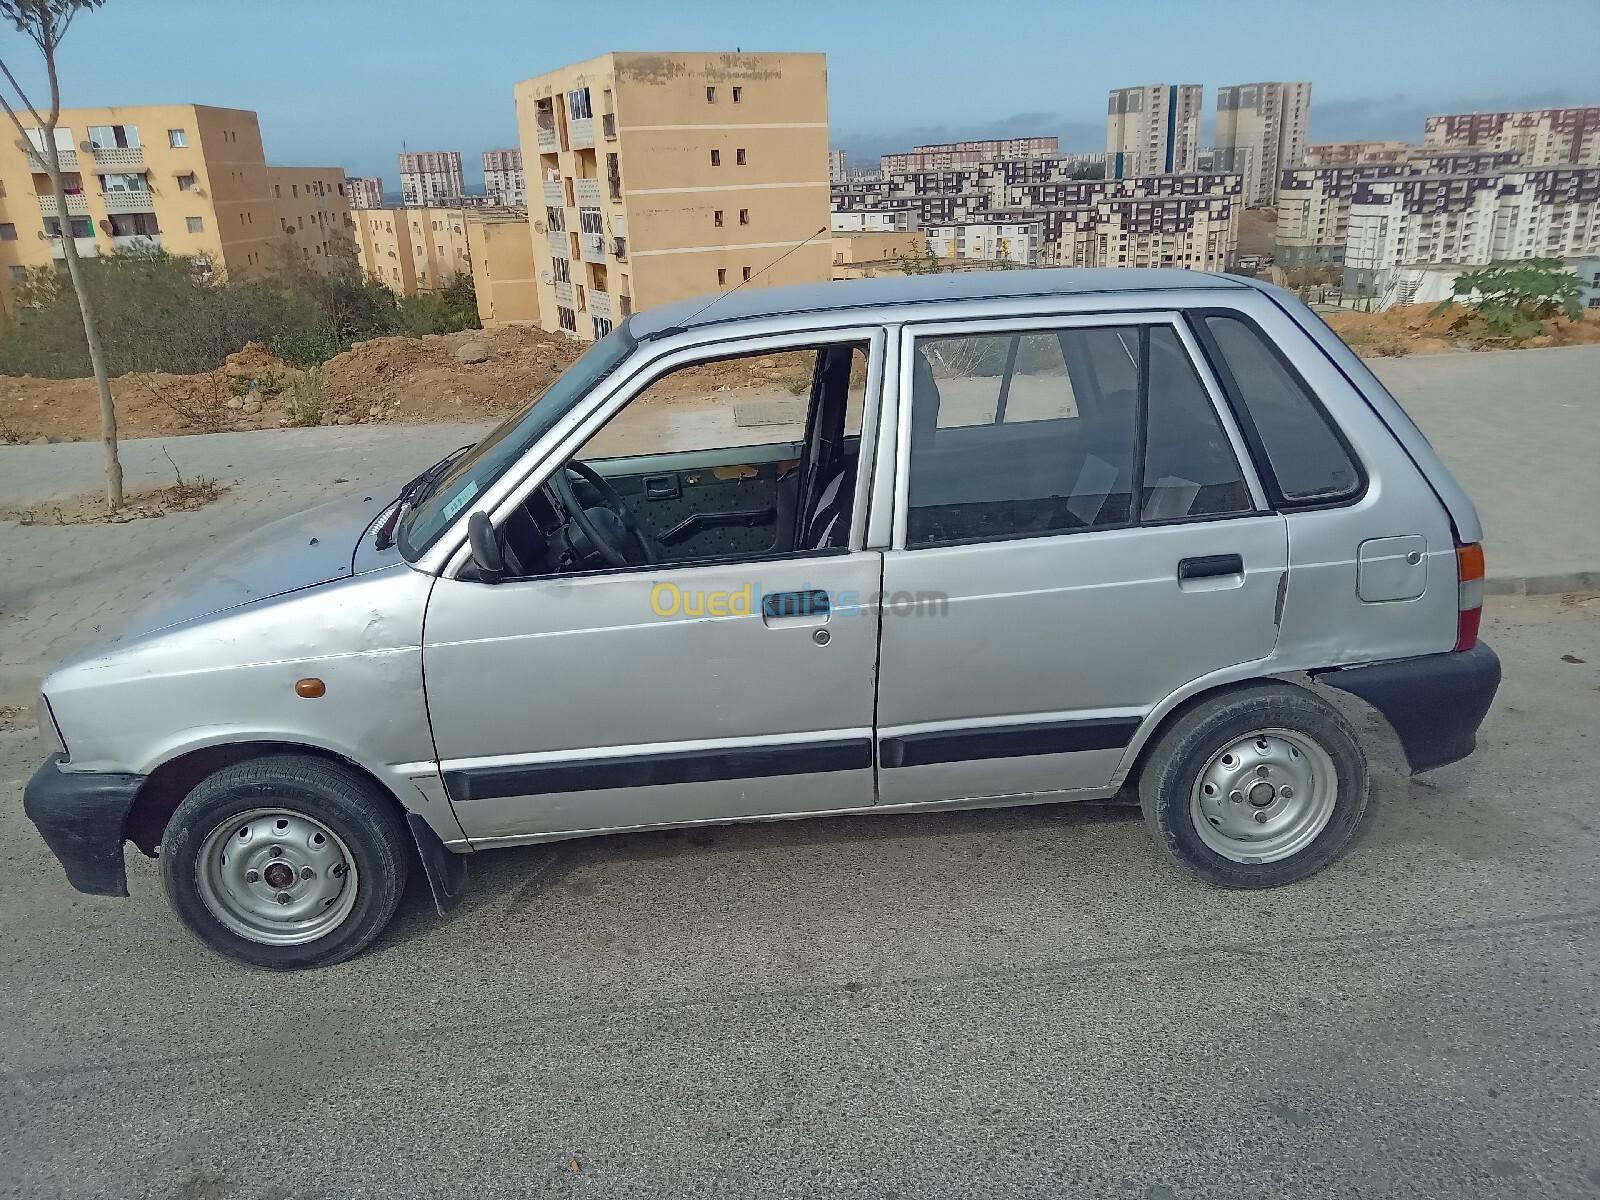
[[574, 429]]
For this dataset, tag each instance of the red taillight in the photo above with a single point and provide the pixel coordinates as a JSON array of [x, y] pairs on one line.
[[1469, 573]]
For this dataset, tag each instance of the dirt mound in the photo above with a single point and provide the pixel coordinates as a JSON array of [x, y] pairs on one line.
[[420, 378], [1419, 329]]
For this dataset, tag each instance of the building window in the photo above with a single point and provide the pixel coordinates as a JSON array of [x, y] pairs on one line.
[[738, 156], [294, 190], [8, 232], [744, 216], [716, 218], [187, 183], [196, 224], [722, 276], [746, 274], [716, 158], [711, 95], [283, 222], [738, 94], [177, 139], [277, 191], [18, 274]]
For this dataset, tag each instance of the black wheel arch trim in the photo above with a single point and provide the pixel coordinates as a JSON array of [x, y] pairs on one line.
[[1435, 703]]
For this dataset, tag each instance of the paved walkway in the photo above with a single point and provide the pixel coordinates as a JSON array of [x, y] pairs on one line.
[[1520, 429]]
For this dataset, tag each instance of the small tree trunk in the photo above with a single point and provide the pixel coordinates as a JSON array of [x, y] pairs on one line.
[[91, 331]]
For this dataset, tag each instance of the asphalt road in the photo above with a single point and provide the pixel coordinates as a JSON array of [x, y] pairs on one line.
[[1028, 1002]]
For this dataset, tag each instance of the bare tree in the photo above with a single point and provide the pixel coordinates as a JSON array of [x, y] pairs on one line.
[[46, 22]]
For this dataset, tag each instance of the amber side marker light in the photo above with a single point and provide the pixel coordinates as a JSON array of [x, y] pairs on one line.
[[310, 688], [1469, 571]]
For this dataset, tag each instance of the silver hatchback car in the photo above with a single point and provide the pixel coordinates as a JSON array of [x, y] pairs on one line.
[[882, 546]]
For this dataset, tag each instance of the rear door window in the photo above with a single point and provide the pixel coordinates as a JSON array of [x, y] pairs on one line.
[[1048, 432], [1309, 464]]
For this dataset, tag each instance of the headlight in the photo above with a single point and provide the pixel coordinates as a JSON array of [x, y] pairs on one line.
[[49, 730]]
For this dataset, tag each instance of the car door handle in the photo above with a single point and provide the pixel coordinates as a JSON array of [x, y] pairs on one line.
[[1210, 566], [810, 607]]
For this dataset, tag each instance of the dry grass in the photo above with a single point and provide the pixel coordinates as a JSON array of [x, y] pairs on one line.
[[89, 508]]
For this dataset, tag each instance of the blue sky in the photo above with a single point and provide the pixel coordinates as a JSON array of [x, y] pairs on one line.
[[343, 82]]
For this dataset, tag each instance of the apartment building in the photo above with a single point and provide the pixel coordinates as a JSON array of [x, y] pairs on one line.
[[503, 183], [1198, 233], [505, 274], [999, 237], [1470, 219], [875, 252], [413, 250], [1539, 136], [1153, 129], [872, 220], [191, 179], [663, 176], [430, 177], [1348, 154], [314, 218], [364, 191], [1314, 202], [1260, 133], [942, 156], [837, 172]]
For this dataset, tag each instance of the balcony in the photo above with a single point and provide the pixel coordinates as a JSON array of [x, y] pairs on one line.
[[608, 126], [587, 192], [133, 200], [600, 304], [564, 293], [118, 156], [137, 242], [594, 247], [581, 132], [77, 204], [87, 247], [547, 139], [554, 194], [69, 160], [558, 243]]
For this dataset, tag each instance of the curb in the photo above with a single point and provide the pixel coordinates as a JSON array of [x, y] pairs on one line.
[[1542, 585]]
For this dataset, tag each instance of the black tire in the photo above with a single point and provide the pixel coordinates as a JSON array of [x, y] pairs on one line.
[[336, 797], [1174, 764]]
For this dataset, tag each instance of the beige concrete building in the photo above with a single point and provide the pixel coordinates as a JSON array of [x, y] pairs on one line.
[[504, 271], [875, 253], [1346, 154], [430, 177], [503, 181], [1153, 130], [944, 156], [364, 191], [662, 176], [190, 179], [414, 250], [314, 218], [1260, 133], [1539, 136]]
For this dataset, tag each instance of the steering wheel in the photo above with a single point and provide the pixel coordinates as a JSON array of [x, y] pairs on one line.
[[613, 532]]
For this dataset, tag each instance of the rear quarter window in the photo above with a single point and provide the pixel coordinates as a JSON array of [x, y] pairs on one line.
[[1307, 460]]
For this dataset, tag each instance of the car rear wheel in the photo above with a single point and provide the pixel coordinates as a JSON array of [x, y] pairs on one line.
[[1256, 788], [285, 861]]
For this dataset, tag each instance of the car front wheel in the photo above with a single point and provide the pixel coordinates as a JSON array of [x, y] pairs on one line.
[[285, 861], [1255, 788]]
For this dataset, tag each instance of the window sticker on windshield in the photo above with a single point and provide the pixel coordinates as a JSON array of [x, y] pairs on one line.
[[461, 498]]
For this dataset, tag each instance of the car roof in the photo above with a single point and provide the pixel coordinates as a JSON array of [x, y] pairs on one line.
[[888, 291]]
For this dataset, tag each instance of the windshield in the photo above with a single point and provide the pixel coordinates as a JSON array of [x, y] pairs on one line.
[[472, 474]]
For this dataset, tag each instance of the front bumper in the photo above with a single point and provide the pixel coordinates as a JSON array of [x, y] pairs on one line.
[[80, 815], [1435, 703]]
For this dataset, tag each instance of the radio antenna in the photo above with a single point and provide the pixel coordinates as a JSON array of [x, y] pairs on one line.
[[719, 298]]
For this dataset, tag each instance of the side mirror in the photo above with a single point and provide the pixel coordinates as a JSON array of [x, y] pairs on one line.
[[486, 553]]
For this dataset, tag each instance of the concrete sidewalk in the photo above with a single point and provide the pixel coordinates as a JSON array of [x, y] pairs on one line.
[[1520, 429]]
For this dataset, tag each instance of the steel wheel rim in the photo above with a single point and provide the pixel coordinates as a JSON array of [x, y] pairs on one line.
[[1265, 796], [277, 877]]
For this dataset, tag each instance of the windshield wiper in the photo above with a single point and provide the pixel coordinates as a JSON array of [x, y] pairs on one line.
[[413, 494]]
